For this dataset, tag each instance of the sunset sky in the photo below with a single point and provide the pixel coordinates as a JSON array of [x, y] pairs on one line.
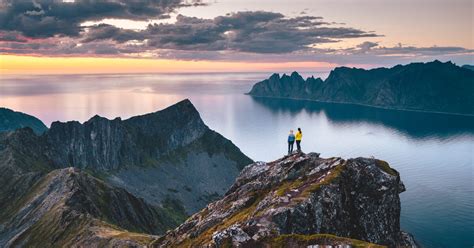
[[50, 37]]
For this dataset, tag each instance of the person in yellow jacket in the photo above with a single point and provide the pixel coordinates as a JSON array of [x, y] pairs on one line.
[[298, 137]]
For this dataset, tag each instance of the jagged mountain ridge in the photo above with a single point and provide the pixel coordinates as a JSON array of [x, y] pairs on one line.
[[101, 144], [433, 87], [12, 120], [169, 154], [302, 200]]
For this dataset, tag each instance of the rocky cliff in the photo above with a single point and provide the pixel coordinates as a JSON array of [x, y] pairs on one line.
[[302, 200], [12, 120], [433, 86]]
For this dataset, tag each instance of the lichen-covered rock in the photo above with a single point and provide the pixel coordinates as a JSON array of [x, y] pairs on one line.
[[302, 195]]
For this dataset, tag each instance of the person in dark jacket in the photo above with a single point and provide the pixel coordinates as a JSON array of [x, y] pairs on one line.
[[291, 141]]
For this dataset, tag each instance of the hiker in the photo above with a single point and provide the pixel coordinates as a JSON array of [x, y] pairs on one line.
[[298, 137], [291, 141]]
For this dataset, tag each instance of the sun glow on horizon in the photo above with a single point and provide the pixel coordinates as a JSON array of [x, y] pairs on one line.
[[14, 64]]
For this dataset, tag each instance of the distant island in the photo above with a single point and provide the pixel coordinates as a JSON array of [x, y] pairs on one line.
[[431, 87]]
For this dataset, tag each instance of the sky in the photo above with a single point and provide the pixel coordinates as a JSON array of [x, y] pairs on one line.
[[60, 37]]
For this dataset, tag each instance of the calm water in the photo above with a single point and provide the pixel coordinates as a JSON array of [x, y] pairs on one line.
[[433, 153]]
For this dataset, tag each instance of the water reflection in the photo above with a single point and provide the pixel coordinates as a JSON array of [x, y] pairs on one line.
[[414, 124]]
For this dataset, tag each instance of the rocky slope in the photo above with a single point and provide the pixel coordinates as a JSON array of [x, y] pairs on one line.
[[12, 120], [433, 86], [302, 200], [67, 207]]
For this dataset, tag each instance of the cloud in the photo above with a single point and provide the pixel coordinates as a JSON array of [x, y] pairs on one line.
[[256, 32], [47, 18], [55, 28], [12, 36]]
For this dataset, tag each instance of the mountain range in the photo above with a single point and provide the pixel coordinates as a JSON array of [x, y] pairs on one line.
[[432, 87], [144, 174]]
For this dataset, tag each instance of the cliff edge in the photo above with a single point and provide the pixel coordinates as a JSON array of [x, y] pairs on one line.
[[301, 200]]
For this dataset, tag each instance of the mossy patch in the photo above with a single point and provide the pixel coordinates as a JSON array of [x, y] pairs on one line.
[[298, 240], [383, 165]]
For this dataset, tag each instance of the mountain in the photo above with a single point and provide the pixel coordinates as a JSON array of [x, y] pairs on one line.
[[302, 200], [432, 87], [470, 67], [167, 154], [145, 174], [11, 120]]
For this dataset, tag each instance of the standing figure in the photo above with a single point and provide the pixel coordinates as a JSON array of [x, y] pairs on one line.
[[291, 141], [299, 136]]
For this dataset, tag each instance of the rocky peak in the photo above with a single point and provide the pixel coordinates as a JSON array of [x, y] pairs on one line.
[[103, 144], [301, 198], [296, 76]]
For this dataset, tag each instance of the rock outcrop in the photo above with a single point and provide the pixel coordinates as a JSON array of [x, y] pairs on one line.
[[302, 200], [432, 87], [12, 120]]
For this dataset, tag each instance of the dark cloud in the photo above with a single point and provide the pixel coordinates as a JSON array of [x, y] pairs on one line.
[[12, 36], [46, 18], [255, 32], [106, 31]]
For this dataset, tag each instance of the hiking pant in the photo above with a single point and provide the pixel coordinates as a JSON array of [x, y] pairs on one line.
[[298, 146], [290, 147]]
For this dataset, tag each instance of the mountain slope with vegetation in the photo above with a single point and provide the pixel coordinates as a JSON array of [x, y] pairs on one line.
[[12, 120]]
